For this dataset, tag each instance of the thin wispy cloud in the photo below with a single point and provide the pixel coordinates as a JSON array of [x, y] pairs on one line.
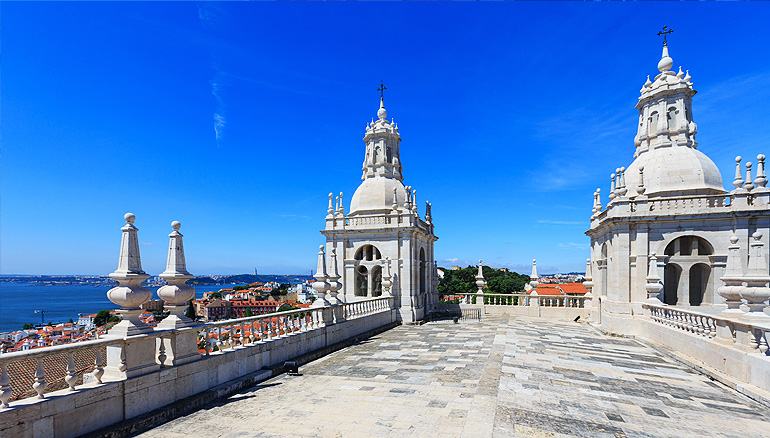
[[550, 222], [208, 14], [573, 245]]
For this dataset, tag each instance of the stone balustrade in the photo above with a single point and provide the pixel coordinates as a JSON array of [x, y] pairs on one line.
[[732, 348], [224, 352], [563, 307], [735, 331], [522, 300]]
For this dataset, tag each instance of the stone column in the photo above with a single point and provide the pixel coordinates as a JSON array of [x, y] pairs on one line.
[[756, 293], [334, 287], [182, 345], [588, 283], [136, 357], [733, 280]]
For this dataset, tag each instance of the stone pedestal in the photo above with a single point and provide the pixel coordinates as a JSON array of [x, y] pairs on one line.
[[181, 346], [135, 357]]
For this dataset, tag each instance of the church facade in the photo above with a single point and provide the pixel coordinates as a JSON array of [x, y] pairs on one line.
[[385, 247], [669, 221]]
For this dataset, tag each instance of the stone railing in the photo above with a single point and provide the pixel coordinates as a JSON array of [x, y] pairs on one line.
[[684, 204], [219, 352], [519, 300], [732, 331], [547, 306], [730, 349]]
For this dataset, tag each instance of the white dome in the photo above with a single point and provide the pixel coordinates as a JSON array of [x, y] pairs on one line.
[[376, 194], [669, 170]]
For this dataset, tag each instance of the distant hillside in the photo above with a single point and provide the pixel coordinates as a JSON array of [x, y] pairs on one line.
[[249, 278]]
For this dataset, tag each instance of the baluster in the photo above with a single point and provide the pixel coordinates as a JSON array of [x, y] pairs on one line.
[[753, 344], [98, 365], [712, 328], [71, 378], [162, 353], [762, 342], [5, 385], [40, 383]]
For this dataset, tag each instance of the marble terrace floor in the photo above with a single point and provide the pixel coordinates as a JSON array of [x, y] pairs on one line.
[[502, 377]]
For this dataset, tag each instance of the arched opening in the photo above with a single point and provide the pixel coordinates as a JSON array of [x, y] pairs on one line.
[[671, 118], [362, 281], [699, 280], [423, 273], [368, 253], [376, 281], [652, 127], [689, 246], [671, 275]]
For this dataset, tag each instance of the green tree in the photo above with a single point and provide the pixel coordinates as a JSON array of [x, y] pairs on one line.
[[28, 326], [248, 312], [101, 317], [286, 307], [71, 321], [190, 312]]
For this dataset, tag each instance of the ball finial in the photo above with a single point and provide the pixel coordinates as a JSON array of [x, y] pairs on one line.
[[733, 239], [129, 217], [321, 247], [738, 159], [176, 225]]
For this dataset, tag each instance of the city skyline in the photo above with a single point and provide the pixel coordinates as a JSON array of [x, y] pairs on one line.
[[239, 119]]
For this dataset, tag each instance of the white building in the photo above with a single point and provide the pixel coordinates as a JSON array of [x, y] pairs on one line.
[[384, 226], [669, 206]]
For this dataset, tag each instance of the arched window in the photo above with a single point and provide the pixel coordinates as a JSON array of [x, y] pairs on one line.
[[671, 118], [699, 279], [368, 253], [671, 275], [689, 246], [652, 128]]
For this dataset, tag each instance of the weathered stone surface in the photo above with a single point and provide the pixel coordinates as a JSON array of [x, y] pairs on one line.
[[502, 377]]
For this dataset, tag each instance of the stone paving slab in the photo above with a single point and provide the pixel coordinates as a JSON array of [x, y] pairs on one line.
[[502, 377]]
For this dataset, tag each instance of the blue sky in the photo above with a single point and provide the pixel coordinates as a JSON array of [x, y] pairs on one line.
[[238, 119]]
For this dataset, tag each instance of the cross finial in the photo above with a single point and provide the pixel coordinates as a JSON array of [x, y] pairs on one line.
[[665, 33], [382, 90]]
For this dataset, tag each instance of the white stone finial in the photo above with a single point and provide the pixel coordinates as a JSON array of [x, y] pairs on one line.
[[330, 210], [756, 293], [733, 279], [588, 281], [342, 206], [622, 189], [612, 187], [394, 206], [653, 285], [665, 62], [428, 212], [386, 277], [640, 188], [687, 77], [176, 293], [761, 180], [480, 282], [738, 182], [321, 285], [648, 84], [748, 185], [334, 280], [381, 113], [129, 294], [414, 201], [680, 74], [533, 276], [598, 200]]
